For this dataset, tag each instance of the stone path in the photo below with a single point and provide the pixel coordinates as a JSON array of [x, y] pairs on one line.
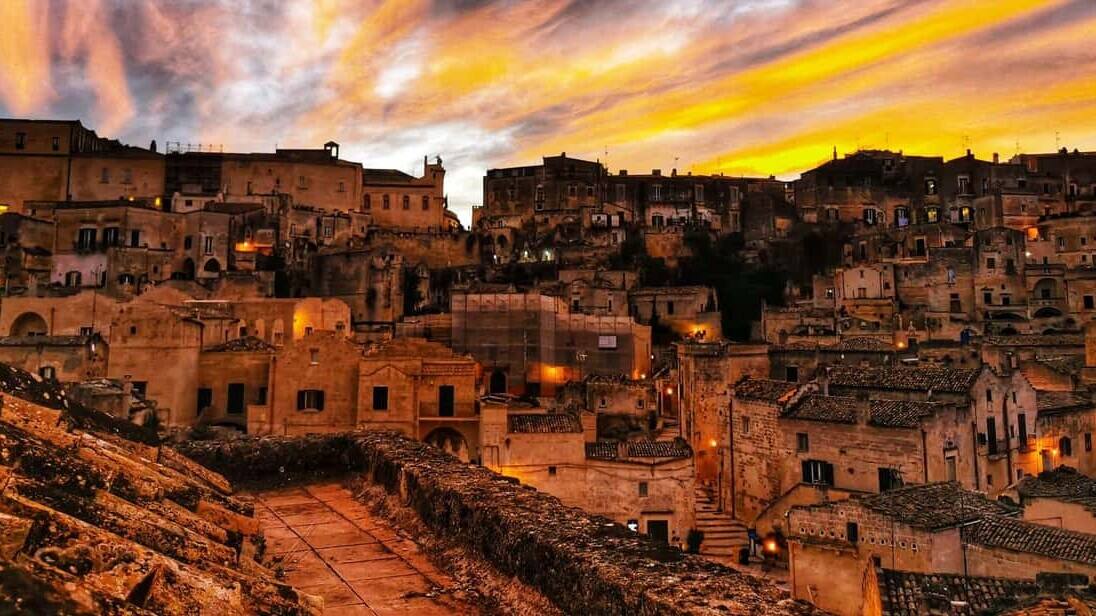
[[330, 545]]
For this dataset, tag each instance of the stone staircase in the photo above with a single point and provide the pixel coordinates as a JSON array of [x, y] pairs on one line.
[[723, 535]]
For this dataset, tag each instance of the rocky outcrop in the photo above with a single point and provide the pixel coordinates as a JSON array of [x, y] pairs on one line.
[[93, 522], [583, 563]]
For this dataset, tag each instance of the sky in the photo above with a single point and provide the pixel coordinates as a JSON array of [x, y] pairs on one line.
[[743, 87]]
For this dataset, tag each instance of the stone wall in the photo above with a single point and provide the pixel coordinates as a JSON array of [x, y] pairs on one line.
[[584, 564]]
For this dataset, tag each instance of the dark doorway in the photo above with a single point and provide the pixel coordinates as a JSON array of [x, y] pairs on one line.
[[205, 399], [235, 398], [445, 401], [659, 530], [498, 382]]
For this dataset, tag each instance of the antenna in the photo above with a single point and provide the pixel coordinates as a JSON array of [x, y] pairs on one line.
[[1057, 141]]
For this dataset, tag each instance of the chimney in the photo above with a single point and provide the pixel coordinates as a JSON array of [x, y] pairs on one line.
[[968, 152], [623, 172], [673, 172], [563, 154], [996, 158], [152, 146], [835, 152], [656, 172]]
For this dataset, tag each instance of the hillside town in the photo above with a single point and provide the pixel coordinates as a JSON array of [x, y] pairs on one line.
[[871, 388]]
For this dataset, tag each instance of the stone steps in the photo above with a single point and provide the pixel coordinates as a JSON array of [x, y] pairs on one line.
[[723, 535]]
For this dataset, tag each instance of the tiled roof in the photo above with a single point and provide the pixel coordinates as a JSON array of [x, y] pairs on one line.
[[1063, 483], [901, 413], [247, 343], [1064, 364], [1032, 538], [1058, 401], [659, 449], [904, 378], [816, 407], [670, 290], [544, 423], [763, 389], [1037, 340], [607, 450], [904, 593], [56, 341], [861, 343], [933, 506]]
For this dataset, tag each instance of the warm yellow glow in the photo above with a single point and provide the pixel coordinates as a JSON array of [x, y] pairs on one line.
[[669, 391], [3, 208], [245, 246], [1033, 233], [901, 345], [158, 202], [770, 546], [713, 442]]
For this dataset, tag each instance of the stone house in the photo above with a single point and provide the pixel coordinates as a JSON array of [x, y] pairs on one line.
[[1066, 429], [396, 200], [61, 358], [1062, 497], [646, 485], [936, 528], [687, 311], [1002, 407], [232, 376]]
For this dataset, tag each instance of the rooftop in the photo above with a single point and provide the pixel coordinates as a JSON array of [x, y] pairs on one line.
[[1060, 401], [816, 407], [765, 390], [901, 413], [543, 423], [904, 593], [904, 378], [1019, 536], [1037, 340], [244, 344], [607, 450], [933, 506]]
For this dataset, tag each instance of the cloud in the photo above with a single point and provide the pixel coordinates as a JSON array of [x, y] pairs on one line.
[[745, 86]]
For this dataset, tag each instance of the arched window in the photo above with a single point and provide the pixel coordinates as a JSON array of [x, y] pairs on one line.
[[425, 203], [72, 279]]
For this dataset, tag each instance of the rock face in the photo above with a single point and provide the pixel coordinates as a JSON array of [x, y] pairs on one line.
[[95, 522], [584, 564]]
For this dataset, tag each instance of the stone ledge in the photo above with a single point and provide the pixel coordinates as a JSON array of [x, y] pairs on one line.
[[583, 563]]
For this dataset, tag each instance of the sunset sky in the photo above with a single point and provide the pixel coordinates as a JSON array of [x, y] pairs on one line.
[[753, 87]]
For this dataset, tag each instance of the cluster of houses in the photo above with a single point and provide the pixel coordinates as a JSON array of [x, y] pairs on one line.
[[918, 414]]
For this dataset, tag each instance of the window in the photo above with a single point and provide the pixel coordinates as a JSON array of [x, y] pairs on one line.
[[816, 472], [425, 203], [606, 342], [987, 298], [670, 307], [699, 192], [745, 424], [930, 188], [342, 186], [852, 532], [964, 185], [302, 182], [314, 357], [188, 242], [235, 402], [446, 401], [205, 399], [385, 202], [643, 488], [86, 239], [127, 176], [261, 398], [991, 435], [135, 238], [380, 398], [20, 141], [310, 400], [953, 472], [932, 215], [208, 244], [791, 373], [73, 279], [621, 192], [589, 190], [991, 263], [47, 372], [104, 176], [802, 442], [539, 197], [87, 330], [406, 202], [1065, 446], [889, 479], [572, 190], [551, 471], [367, 202], [1021, 421], [955, 305], [656, 192], [140, 388], [55, 144], [1089, 302], [1088, 441]]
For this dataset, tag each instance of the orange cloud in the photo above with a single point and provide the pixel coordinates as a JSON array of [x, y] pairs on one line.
[[24, 55]]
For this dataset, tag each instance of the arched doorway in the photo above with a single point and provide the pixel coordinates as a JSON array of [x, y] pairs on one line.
[[498, 382], [29, 324], [450, 441], [213, 266]]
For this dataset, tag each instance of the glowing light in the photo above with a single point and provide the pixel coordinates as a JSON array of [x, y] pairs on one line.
[[158, 202], [669, 391], [3, 208], [713, 442], [770, 546], [901, 345]]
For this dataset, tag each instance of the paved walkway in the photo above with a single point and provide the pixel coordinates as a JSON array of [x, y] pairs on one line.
[[330, 545]]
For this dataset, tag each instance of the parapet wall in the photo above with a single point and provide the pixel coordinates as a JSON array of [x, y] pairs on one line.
[[585, 564]]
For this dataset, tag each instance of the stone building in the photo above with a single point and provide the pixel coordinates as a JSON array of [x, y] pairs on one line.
[[801, 360], [936, 528], [1061, 497], [686, 311], [1001, 406], [60, 358], [532, 343], [232, 377], [59, 160], [793, 445], [647, 485], [1066, 428], [396, 200], [705, 376], [422, 389], [26, 244]]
